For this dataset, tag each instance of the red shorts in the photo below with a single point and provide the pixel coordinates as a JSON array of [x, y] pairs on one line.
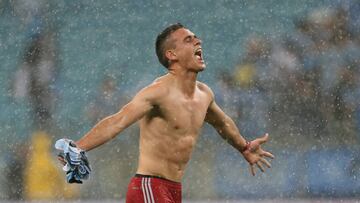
[[152, 189]]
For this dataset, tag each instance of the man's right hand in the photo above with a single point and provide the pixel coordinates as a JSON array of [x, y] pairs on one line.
[[60, 157], [75, 161]]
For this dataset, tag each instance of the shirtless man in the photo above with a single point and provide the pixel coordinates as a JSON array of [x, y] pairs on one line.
[[171, 112]]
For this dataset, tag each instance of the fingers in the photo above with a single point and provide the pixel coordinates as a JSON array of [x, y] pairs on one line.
[[62, 160], [267, 154], [260, 166], [264, 138], [264, 161], [252, 169]]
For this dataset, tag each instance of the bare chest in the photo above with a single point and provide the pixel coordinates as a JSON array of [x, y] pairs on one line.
[[185, 115]]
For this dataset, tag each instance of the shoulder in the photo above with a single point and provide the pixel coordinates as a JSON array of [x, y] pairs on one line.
[[205, 88], [154, 91]]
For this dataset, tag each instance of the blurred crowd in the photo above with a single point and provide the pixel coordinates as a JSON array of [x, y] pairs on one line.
[[302, 87]]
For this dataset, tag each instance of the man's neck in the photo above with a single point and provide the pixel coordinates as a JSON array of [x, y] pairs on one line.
[[185, 80]]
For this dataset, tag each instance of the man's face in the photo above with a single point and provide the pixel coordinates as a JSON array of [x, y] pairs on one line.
[[188, 50]]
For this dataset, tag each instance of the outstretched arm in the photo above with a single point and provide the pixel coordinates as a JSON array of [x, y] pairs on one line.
[[112, 125], [226, 127]]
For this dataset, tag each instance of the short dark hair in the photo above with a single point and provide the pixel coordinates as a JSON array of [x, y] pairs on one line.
[[160, 42]]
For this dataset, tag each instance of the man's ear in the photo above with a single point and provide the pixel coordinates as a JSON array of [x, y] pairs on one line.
[[170, 55]]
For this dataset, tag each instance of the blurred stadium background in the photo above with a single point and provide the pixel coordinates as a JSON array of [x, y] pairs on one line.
[[290, 68]]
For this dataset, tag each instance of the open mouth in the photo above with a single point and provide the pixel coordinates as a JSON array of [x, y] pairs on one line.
[[198, 54]]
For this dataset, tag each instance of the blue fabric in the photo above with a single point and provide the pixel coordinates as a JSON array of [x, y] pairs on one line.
[[77, 164]]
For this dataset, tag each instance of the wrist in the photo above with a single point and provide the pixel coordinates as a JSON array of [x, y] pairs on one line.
[[78, 145], [246, 147]]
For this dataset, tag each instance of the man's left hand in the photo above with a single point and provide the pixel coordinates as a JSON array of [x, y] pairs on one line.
[[255, 155]]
